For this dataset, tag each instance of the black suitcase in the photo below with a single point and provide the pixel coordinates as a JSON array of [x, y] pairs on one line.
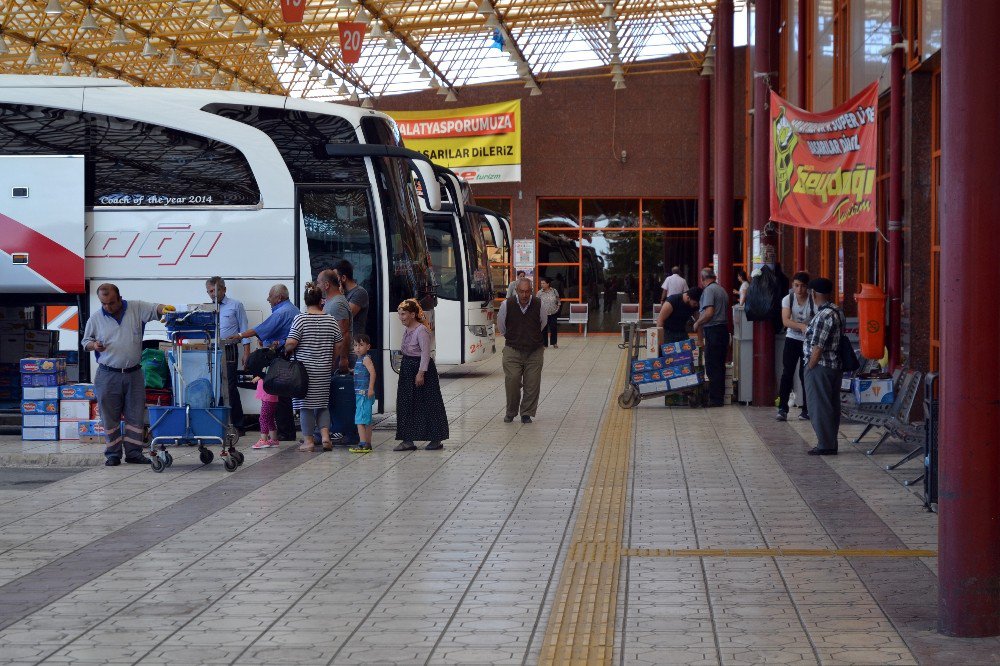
[[342, 407]]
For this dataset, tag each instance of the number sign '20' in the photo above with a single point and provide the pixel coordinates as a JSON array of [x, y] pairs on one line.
[[351, 36], [292, 10]]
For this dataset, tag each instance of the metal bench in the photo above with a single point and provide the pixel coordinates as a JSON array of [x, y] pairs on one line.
[[881, 415], [579, 313]]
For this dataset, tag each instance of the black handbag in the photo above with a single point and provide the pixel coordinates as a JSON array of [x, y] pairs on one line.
[[848, 359], [286, 379]]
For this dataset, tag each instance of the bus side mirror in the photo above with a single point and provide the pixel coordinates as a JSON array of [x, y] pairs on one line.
[[431, 187]]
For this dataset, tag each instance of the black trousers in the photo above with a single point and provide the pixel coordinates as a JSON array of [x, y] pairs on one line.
[[284, 420], [791, 360], [232, 397], [550, 335], [716, 348]]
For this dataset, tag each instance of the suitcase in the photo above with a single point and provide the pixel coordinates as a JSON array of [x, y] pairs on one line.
[[342, 407]]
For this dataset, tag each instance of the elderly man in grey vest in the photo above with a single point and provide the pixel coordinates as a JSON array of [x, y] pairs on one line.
[[521, 320]]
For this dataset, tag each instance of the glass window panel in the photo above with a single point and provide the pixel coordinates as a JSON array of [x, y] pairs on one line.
[[610, 275], [558, 247], [564, 279], [676, 213], [611, 213], [441, 244], [499, 204], [661, 251], [559, 213]]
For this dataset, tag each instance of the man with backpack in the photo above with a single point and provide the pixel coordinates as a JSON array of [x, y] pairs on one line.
[[797, 310], [820, 351]]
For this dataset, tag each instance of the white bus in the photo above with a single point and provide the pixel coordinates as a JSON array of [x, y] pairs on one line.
[[179, 185], [464, 329]]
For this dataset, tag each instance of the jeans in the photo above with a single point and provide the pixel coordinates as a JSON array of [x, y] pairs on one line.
[[791, 360], [550, 336], [716, 349]]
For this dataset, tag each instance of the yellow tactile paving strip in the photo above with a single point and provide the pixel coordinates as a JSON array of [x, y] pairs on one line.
[[581, 629], [774, 552]]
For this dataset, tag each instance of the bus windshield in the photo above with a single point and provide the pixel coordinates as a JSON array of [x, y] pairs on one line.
[[441, 244], [409, 270], [477, 259]]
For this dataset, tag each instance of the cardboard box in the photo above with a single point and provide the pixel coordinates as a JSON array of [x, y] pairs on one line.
[[41, 349], [40, 407], [10, 393], [20, 313], [40, 393], [47, 365], [647, 364], [873, 391], [680, 358], [685, 381], [40, 421], [671, 348], [72, 372], [652, 387], [51, 337], [77, 410], [56, 379], [77, 392], [16, 325], [69, 430], [11, 347], [40, 434]]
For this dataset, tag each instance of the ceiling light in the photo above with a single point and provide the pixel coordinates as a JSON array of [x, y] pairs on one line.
[[173, 60], [3, 45], [363, 16], [492, 22], [89, 22], [367, 103], [261, 42], [354, 96], [217, 14], [402, 56], [33, 59], [95, 71], [618, 78], [218, 79], [67, 67], [196, 69], [608, 12], [236, 86], [414, 64], [530, 83], [442, 89], [617, 69], [148, 50], [281, 51], [431, 83], [299, 62], [120, 38], [615, 60], [485, 7], [345, 4], [535, 92], [390, 43], [316, 72], [241, 26], [450, 97], [424, 73], [342, 90], [53, 8], [329, 83], [377, 31], [620, 85], [615, 49]]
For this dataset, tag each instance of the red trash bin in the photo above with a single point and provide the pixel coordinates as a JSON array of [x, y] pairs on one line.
[[871, 320]]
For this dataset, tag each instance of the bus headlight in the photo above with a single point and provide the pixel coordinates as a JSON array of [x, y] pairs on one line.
[[396, 360], [479, 330]]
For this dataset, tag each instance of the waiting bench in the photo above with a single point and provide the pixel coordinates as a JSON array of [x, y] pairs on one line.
[[579, 313], [893, 419]]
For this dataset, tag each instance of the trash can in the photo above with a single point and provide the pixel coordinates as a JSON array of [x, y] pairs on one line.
[[871, 320]]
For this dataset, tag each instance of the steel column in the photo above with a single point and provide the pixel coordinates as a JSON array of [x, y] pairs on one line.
[[704, 168], [764, 68], [895, 263], [969, 441], [802, 53], [724, 146]]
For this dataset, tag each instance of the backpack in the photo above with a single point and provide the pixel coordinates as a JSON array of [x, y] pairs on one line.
[[258, 361], [286, 379], [763, 301], [845, 350]]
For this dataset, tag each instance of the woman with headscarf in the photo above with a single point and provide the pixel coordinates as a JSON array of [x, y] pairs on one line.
[[420, 414]]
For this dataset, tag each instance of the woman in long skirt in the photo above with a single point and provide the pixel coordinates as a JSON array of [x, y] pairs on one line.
[[420, 414]]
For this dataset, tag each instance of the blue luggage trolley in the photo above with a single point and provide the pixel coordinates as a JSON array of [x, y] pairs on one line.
[[206, 421]]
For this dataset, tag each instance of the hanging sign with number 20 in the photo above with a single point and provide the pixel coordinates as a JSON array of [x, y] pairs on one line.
[[351, 36]]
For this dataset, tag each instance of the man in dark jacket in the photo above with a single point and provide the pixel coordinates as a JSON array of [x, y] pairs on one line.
[[521, 320]]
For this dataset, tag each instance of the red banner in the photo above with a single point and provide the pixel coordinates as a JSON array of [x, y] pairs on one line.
[[292, 10], [823, 165], [351, 37]]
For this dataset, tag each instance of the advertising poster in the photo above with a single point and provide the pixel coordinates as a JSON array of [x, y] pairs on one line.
[[482, 144], [524, 255], [823, 165]]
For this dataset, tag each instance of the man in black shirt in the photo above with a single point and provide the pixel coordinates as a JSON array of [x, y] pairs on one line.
[[676, 312]]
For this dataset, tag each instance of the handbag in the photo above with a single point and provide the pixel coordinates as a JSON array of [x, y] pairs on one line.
[[845, 352], [286, 379]]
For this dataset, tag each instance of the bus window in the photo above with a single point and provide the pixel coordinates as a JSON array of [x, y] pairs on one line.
[[441, 244], [338, 226], [409, 274], [477, 259]]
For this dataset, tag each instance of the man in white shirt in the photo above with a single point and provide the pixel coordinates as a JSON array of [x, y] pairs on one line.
[[674, 284], [797, 310]]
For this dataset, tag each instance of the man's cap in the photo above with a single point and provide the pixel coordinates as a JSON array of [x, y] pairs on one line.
[[821, 286]]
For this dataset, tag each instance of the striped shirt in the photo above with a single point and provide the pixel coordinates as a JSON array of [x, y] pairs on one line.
[[317, 336]]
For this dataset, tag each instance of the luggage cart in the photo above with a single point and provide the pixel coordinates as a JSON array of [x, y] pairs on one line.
[[631, 396], [181, 423]]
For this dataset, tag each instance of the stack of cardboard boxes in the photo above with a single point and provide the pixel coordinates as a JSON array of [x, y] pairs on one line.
[[672, 370], [40, 382], [78, 417]]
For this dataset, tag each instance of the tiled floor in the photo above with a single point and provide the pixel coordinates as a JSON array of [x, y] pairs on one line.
[[454, 556]]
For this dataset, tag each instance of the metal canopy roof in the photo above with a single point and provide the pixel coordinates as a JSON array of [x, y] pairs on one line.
[[409, 44]]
